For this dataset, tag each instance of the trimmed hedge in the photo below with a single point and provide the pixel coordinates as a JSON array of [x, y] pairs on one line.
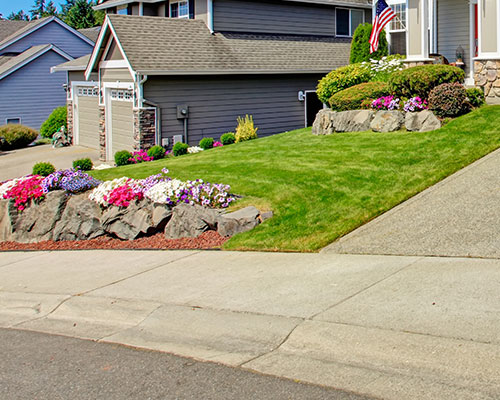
[[360, 46], [157, 152], [180, 149], [83, 164], [449, 100], [356, 97], [43, 169], [122, 157], [342, 78], [228, 138], [476, 97], [206, 143], [420, 80], [15, 136], [57, 118]]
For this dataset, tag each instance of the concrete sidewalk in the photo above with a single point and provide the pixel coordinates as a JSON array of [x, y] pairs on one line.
[[388, 327]]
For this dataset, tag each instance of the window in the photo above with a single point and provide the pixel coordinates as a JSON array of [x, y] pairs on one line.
[[13, 121], [397, 28], [399, 22], [121, 95], [179, 9], [88, 92], [347, 21], [122, 10]]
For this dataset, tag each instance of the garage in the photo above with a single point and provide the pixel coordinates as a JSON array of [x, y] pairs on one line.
[[87, 116], [121, 121]]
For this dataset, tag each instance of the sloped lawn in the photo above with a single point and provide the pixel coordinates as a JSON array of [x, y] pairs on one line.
[[321, 188]]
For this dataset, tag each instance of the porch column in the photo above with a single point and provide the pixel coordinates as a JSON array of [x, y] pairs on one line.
[[488, 30], [417, 34]]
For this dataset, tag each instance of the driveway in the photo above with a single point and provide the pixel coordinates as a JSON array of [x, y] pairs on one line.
[[20, 162], [458, 217]]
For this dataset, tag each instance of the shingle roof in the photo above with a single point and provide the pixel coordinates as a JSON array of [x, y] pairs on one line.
[[111, 3], [4, 59], [78, 64], [8, 28], [176, 46], [91, 33], [23, 29]]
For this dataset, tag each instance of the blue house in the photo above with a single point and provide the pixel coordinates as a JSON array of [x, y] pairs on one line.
[[28, 50]]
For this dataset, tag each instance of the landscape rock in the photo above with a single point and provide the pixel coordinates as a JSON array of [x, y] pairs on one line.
[[387, 121], [353, 121], [8, 217], [323, 124], [266, 215], [191, 221], [239, 221], [80, 220], [423, 121]]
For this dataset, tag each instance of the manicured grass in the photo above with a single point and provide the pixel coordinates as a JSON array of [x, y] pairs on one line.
[[321, 188]]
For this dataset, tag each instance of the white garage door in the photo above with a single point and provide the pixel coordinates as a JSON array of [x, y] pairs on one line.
[[87, 107], [122, 121]]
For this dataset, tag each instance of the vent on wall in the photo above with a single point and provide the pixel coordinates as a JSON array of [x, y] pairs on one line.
[[177, 138], [13, 121]]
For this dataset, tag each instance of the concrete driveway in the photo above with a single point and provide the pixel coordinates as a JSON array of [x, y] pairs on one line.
[[20, 162]]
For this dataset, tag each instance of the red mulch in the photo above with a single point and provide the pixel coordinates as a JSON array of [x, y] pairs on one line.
[[207, 240]]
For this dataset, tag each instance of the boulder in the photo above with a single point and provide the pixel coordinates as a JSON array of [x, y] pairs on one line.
[[323, 124], [422, 121], [191, 221], [266, 215], [387, 121], [8, 217], [353, 121], [80, 220], [36, 223], [239, 221]]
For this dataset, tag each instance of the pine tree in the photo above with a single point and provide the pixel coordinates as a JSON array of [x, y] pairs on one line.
[[81, 15], [38, 9], [19, 16], [50, 9]]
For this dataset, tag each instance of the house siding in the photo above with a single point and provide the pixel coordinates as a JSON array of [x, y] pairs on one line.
[[55, 34], [215, 103], [32, 92], [116, 74]]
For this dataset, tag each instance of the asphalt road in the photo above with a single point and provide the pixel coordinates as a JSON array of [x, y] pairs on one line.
[[40, 366]]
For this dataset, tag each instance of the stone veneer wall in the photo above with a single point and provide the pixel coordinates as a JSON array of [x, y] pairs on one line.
[[487, 77], [70, 121], [102, 133], [144, 128]]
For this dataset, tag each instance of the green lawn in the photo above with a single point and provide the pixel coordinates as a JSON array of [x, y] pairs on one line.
[[321, 188]]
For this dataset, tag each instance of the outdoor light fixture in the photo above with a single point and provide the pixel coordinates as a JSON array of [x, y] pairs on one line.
[[301, 96]]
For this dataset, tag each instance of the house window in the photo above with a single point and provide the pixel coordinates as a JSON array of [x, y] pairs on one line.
[[179, 9], [347, 21], [121, 95], [13, 121], [88, 92], [399, 22], [122, 10], [397, 28]]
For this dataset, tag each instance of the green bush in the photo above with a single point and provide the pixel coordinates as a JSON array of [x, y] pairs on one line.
[[246, 129], [356, 97], [157, 152], [57, 119], [476, 97], [228, 138], [180, 149], [360, 46], [122, 157], [342, 78], [14, 136], [449, 100], [420, 80], [43, 169], [83, 164], [206, 143]]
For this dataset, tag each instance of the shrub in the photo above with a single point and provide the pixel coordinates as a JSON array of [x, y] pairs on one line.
[[180, 149], [415, 104], [15, 136], [228, 138], [70, 180], [353, 97], [476, 97], [122, 157], [57, 119], [139, 157], [206, 143], [342, 78], [360, 46], [83, 164], [449, 100], [386, 103], [246, 129], [381, 70], [43, 169], [156, 152], [420, 80]]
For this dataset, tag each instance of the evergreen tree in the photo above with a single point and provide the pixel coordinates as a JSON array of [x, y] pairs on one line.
[[19, 16], [81, 15], [66, 7], [38, 9], [50, 9], [360, 46]]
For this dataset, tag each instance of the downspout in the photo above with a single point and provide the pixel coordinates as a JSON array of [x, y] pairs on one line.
[[141, 8], [210, 15]]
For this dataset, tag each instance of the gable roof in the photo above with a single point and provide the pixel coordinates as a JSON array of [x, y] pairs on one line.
[[91, 33], [78, 64], [17, 62], [8, 27], [166, 46]]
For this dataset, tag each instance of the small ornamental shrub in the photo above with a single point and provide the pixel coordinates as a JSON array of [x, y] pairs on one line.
[[415, 104], [180, 149], [83, 164], [353, 97], [139, 157], [14, 136], [228, 138], [360, 46], [381, 70], [342, 78], [156, 152], [43, 169], [476, 97], [122, 157], [25, 191], [449, 100], [386, 103], [206, 143], [420, 80], [246, 129], [56, 120]]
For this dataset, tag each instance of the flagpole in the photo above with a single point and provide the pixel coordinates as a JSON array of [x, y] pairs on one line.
[[374, 9]]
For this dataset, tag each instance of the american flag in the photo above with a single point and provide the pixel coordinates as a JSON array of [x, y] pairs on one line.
[[383, 15]]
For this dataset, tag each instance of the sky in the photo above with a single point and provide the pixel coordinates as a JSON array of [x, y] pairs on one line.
[[7, 6]]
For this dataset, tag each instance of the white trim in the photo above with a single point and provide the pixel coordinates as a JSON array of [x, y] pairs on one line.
[[424, 44], [141, 9], [74, 99], [210, 15], [118, 85], [233, 72], [110, 64], [178, 8], [103, 6], [19, 118], [108, 123], [305, 105], [490, 55], [351, 34]]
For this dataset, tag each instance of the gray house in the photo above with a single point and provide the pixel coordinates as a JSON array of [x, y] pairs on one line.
[[152, 79], [28, 91]]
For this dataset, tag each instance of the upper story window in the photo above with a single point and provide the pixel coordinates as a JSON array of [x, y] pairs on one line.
[[122, 10], [399, 22], [347, 20], [179, 9]]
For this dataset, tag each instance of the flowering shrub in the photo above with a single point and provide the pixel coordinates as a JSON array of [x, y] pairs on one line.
[[70, 180], [121, 196], [210, 195], [24, 191], [194, 149], [383, 68], [168, 192], [104, 189], [218, 144], [7, 185], [140, 156], [386, 103], [415, 104]]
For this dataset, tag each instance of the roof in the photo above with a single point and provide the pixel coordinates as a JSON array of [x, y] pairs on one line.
[[14, 63], [26, 28], [8, 27], [4, 59], [78, 64], [91, 33], [166, 46]]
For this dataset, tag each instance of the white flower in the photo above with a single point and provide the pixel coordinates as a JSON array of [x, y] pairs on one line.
[[6, 186], [105, 189], [162, 191], [194, 149]]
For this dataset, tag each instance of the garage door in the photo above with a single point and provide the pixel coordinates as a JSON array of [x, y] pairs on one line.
[[87, 107], [122, 121]]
